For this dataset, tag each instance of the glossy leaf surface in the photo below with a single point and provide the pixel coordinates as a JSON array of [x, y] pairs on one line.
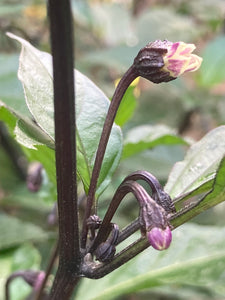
[[200, 164], [195, 258], [35, 72]]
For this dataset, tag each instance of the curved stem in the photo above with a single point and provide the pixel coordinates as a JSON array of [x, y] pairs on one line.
[[9, 280], [95, 271], [147, 177], [126, 187], [124, 83], [31, 277], [161, 197]]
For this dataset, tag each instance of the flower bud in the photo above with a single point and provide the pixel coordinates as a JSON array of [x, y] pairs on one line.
[[162, 61], [159, 238], [105, 252], [39, 279], [33, 278], [34, 176], [155, 224]]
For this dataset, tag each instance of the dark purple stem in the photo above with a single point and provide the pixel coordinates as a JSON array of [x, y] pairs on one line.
[[147, 177], [124, 83], [65, 147]]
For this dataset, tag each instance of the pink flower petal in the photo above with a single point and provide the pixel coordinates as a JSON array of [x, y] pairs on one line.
[[39, 280], [180, 59], [160, 239], [173, 49], [175, 66]]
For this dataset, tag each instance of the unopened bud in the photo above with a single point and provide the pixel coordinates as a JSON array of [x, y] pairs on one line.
[[106, 250], [39, 279], [162, 61], [34, 176], [34, 278], [159, 238], [155, 225]]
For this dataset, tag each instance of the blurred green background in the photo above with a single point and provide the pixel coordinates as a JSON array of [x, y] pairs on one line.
[[108, 35]]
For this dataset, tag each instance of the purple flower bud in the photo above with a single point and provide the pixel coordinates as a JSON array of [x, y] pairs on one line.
[[34, 176], [162, 61], [159, 238]]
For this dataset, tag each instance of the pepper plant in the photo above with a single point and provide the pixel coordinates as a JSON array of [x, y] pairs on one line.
[[75, 131]]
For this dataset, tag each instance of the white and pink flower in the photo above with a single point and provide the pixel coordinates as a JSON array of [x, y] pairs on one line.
[[179, 59]]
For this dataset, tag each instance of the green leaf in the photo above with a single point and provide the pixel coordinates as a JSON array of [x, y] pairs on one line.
[[46, 156], [212, 70], [196, 257], [205, 201], [31, 205], [9, 9], [8, 175], [11, 91], [104, 25], [5, 262], [35, 72], [14, 232], [27, 132], [198, 261], [91, 109], [19, 289], [127, 107], [32, 137], [188, 274], [195, 194], [26, 257], [145, 137], [218, 193], [7, 117], [200, 164]]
